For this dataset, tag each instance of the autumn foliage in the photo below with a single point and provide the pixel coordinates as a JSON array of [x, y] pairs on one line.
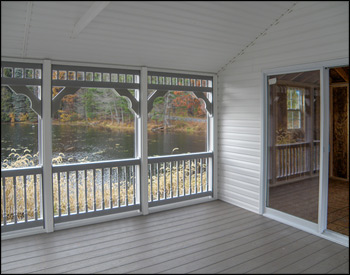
[[188, 102]]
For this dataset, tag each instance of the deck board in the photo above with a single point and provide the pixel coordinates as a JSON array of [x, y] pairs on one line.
[[210, 237]]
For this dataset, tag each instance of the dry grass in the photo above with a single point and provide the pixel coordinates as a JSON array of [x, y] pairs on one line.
[[166, 183], [21, 187]]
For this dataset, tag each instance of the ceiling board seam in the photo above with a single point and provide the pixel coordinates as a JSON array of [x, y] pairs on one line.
[[26, 27], [275, 22]]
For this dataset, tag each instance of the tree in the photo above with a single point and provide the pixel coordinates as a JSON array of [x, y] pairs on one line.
[[187, 102], [89, 103], [6, 104]]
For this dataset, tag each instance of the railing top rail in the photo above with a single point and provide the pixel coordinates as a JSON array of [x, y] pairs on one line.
[[179, 157], [94, 165], [21, 171], [292, 144], [94, 69]]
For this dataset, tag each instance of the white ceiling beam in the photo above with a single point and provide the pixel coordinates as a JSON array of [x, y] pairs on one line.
[[26, 27], [91, 13]]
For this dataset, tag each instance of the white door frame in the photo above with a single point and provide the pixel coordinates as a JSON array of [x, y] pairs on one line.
[[319, 229]]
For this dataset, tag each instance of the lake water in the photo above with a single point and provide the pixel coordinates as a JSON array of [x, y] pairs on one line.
[[79, 143]]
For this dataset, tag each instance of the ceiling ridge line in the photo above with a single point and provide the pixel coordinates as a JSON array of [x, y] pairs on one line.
[[289, 10]]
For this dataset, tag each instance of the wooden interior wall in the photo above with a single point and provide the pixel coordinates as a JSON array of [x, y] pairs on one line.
[[339, 132]]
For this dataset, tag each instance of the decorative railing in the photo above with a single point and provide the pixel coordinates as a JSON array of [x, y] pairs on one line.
[[181, 82], [297, 159], [72, 78], [161, 82], [21, 203], [19, 76], [178, 177], [84, 190], [94, 189]]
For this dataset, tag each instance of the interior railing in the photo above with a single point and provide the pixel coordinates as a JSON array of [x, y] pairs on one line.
[[297, 159]]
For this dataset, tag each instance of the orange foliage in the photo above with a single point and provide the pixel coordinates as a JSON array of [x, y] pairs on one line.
[[189, 102]]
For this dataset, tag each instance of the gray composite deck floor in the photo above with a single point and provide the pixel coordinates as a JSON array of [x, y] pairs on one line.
[[213, 237]]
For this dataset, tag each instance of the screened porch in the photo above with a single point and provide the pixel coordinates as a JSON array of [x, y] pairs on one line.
[[174, 137]]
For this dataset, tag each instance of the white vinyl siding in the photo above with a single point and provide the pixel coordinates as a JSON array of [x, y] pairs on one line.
[[311, 32]]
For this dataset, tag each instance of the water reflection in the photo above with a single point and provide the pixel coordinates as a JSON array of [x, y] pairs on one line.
[[84, 143]]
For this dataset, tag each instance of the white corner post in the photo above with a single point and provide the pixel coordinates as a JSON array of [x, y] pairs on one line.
[[46, 148], [213, 145], [324, 145], [263, 145], [142, 143]]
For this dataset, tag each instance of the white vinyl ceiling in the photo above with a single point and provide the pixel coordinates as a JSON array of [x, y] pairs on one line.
[[198, 36]]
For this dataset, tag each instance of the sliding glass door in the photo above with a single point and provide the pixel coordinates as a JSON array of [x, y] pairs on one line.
[[293, 135]]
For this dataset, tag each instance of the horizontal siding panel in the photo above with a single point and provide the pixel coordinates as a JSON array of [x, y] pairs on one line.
[[239, 150], [239, 184], [305, 50], [244, 109], [240, 197], [241, 157], [301, 18], [308, 34], [237, 93], [239, 178], [238, 170], [244, 137], [242, 144], [309, 54], [242, 116], [240, 130], [240, 164], [239, 201], [254, 195], [242, 78], [234, 122], [312, 32]]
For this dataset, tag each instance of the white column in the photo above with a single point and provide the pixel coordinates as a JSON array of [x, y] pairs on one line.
[[46, 148], [143, 143], [213, 146], [324, 150]]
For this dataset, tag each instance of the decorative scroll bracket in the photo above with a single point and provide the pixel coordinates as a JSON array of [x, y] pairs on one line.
[[160, 93], [135, 106], [57, 99], [71, 90], [208, 104], [35, 102]]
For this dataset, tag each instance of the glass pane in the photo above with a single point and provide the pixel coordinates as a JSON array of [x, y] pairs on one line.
[[71, 75], [106, 77], [18, 73], [80, 76], [177, 124], [89, 76], [338, 184], [293, 144]]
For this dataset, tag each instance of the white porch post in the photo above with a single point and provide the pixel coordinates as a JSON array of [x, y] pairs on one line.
[[324, 150], [46, 148], [143, 143], [213, 146]]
